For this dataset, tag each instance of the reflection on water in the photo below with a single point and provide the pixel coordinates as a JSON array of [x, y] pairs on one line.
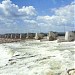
[[36, 58]]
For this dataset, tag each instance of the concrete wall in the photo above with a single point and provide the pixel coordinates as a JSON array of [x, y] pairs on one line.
[[70, 36], [8, 35], [30, 35], [39, 36], [1, 35], [52, 36], [11, 36], [15, 36], [61, 39], [23, 36]]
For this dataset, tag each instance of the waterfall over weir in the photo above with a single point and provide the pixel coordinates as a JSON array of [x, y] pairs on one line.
[[36, 58]]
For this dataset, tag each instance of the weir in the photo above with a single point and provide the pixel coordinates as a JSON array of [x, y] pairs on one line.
[[30, 35], [70, 36], [52, 36], [39, 36], [22, 36]]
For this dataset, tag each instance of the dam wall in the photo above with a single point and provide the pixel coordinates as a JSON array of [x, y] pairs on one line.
[[67, 36], [13, 36], [30, 35], [39, 36], [70, 36], [52, 36]]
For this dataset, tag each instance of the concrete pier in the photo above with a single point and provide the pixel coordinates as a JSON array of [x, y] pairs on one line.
[[22, 36], [11, 36], [5, 36], [2, 36], [39, 36], [30, 35], [52, 36], [8, 36], [70, 36], [14, 36], [61, 37]]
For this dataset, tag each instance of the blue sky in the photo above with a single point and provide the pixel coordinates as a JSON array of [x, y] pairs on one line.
[[43, 7], [36, 15]]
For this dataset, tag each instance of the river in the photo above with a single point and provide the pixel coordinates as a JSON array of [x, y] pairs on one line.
[[36, 58]]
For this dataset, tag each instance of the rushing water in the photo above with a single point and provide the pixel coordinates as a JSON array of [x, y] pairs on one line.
[[36, 58]]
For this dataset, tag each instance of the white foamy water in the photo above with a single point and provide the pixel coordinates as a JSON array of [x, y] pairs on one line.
[[36, 58]]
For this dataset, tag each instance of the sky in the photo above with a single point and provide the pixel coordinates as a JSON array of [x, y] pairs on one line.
[[23, 16]]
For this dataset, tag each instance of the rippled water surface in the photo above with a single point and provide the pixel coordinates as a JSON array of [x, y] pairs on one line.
[[36, 58]]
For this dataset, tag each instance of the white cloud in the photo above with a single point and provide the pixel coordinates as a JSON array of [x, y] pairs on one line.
[[8, 8], [14, 18], [29, 10], [30, 21], [63, 16]]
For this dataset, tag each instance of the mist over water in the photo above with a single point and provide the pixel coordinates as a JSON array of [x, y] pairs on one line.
[[36, 58]]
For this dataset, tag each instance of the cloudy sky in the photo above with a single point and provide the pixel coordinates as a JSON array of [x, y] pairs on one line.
[[21, 16]]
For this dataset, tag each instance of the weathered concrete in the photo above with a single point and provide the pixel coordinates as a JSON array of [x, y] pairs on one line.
[[52, 36], [70, 36], [30, 36], [61, 39], [17, 36], [13, 36], [39, 36], [9, 36], [1, 35], [22, 36]]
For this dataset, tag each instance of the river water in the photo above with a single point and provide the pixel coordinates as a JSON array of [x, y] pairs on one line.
[[36, 58]]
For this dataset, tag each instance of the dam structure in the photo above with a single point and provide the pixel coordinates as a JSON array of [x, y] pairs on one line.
[[14, 36], [52, 36], [39, 36], [60, 37], [30, 35], [70, 36]]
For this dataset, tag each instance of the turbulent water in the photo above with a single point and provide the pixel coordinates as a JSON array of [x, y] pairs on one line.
[[36, 58]]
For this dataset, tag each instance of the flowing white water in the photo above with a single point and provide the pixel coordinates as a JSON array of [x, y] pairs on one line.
[[36, 58]]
